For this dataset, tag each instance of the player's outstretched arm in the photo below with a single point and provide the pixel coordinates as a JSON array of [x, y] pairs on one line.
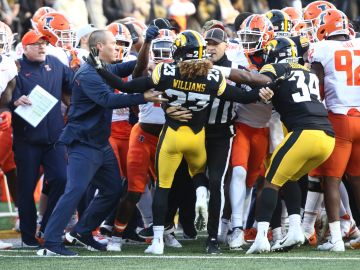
[[236, 94]]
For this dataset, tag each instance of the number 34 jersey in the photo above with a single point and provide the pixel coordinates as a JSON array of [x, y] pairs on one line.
[[341, 63], [297, 98], [194, 94]]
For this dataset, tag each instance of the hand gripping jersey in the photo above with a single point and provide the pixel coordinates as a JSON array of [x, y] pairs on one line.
[[193, 94], [341, 62], [297, 99]]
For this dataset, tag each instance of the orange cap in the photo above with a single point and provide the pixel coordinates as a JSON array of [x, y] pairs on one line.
[[32, 37]]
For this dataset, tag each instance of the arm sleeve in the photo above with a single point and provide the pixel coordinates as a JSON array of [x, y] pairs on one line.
[[123, 69], [137, 85], [68, 75], [100, 93], [232, 93]]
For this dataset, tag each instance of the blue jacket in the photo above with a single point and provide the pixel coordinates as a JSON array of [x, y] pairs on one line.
[[91, 105], [54, 77]]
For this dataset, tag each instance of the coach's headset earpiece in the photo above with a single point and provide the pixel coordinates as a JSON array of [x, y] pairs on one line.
[[133, 33]]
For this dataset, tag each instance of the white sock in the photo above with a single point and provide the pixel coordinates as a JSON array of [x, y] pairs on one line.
[[201, 193], [145, 207], [294, 222], [277, 234], [237, 195], [335, 231], [262, 229], [158, 232], [247, 204]]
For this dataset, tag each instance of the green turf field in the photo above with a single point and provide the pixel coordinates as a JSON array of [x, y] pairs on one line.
[[191, 256]]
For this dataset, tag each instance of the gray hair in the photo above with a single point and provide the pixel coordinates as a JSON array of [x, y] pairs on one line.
[[96, 37]]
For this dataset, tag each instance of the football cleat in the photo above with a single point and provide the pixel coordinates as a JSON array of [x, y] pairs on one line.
[[261, 245], [292, 239], [236, 239], [310, 237], [114, 244], [4, 245], [355, 244], [170, 241], [338, 246], [250, 235], [156, 247]]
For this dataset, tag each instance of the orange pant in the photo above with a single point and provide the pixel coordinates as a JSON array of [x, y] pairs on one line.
[[119, 140], [249, 150], [141, 158], [346, 155], [7, 162]]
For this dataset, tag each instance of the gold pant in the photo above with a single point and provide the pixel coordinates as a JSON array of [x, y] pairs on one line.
[[297, 154], [173, 145]]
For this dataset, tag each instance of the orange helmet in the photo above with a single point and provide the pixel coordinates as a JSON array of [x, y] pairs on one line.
[[6, 38], [58, 30], [331, 22], [38, 14], [294, 14], [123, 39], [254, 32], [161, 46]]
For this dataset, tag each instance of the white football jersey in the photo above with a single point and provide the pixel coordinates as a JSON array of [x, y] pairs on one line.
[[8, 71], [151, 113], [341, 62], [122, 114]]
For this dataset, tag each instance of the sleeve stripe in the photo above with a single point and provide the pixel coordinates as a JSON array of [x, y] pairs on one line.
[[222, 86], [156, 73]]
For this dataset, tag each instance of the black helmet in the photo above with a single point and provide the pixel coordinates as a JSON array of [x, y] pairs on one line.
[[281, 22], [189, 45], [280, 50]]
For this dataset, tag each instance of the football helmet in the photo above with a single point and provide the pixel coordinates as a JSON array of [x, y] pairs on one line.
[[58, 30], [189, 45], [38, 14], [254, 32], [123, 39], [161, 46], [280, 50], [331, 22], [311, 12], [294, 14], [6, 38], [281, 22]]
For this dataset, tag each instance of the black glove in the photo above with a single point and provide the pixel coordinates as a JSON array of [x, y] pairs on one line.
[[94, 60], [275, 84], [151, 33]]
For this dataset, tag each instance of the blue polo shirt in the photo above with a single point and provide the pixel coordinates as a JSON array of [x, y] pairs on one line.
[[92, 103]]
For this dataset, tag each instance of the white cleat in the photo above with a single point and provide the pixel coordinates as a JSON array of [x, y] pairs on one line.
[[156, 247], [201, 214], [292, 239], [236, 239], [114, 244], [4, 245], [170, 241], [259, 246], [338, 246]]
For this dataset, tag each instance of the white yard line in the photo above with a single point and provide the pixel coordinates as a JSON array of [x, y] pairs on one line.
[[184, 257]]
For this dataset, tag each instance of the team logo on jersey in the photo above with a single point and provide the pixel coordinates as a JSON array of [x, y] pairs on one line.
[[47, 68]]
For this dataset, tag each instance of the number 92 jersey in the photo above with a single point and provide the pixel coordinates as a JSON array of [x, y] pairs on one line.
[[194, 94], [341, 63], [297, 99]]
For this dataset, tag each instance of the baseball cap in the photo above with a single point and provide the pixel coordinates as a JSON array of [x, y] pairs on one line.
[[83, 31], [32, 37], [212, 24], [216, 34], [162, 23]]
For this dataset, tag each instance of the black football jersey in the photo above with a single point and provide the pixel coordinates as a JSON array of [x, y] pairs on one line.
[[194, 94], [297, 98]]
